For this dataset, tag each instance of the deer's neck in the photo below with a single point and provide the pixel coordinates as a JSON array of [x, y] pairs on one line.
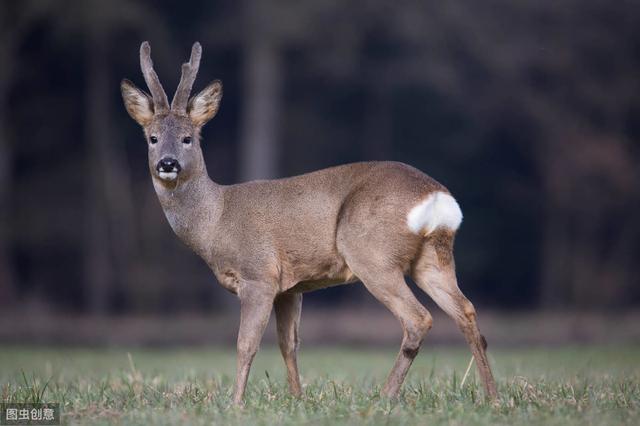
[[193, 209]]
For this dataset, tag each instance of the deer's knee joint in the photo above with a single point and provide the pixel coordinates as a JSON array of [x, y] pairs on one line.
[[411, 343], [469, 311], [410, 352], [412, 338], [414, 335], [427, 323], [246, 350], [288, 348], [421, 326]]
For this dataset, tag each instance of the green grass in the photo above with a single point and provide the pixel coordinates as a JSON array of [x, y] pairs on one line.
[[578, 385]]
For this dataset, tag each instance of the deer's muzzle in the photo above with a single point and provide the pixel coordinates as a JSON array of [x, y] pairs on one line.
[[168, 168]]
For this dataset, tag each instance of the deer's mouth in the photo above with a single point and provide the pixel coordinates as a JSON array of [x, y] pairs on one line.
[[170, 176], [168, 169]]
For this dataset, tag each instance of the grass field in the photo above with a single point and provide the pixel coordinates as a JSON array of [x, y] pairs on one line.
[[577, 385]]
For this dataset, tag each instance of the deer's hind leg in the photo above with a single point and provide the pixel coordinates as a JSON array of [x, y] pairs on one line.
[[434, 272], [378, 251], [390, 288]]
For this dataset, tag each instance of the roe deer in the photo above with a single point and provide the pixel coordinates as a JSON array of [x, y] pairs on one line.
[[270, 241]]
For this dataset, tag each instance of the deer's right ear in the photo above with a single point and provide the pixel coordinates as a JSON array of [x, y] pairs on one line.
[[139, 104]]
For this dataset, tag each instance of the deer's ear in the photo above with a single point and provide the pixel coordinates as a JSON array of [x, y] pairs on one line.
[[203, 106], [139, 104]]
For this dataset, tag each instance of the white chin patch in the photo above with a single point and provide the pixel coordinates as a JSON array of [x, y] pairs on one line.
[[438, 210], [168, 175]]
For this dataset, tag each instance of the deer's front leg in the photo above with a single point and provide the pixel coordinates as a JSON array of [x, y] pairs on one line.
[[255, 309], [288, 307]]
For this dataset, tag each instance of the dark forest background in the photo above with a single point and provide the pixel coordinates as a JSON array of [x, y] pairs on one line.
[[528, 111]]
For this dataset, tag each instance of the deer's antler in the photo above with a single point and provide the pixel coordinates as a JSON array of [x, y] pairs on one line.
[[189, 72], [160, 102]]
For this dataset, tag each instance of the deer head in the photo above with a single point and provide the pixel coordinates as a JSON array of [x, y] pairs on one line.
[[172, 132]]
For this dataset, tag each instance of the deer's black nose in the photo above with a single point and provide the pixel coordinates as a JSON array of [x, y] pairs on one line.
[[168, 165]]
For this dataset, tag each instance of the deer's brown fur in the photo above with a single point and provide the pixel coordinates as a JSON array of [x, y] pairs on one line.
[[269, 241]]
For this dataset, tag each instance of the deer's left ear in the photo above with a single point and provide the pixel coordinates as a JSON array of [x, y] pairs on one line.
[[204, 106]]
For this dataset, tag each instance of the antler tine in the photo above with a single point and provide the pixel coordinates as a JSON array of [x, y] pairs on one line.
[[189, 72], [160, 102]]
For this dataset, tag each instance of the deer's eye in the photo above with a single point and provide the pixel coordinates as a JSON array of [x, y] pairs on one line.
[[186, 140], [153, 139]]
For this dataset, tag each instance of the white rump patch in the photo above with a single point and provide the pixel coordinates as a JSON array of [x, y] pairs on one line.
[[438, 210]]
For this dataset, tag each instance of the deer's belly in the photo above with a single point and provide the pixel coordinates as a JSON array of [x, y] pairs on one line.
[[307, 286], [325, 276]]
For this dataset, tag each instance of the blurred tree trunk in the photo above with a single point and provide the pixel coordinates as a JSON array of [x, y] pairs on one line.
[[14, 25], [589, 185], [8, 40], [7, 276], [110, 235], [260, 148], [98, 266]]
